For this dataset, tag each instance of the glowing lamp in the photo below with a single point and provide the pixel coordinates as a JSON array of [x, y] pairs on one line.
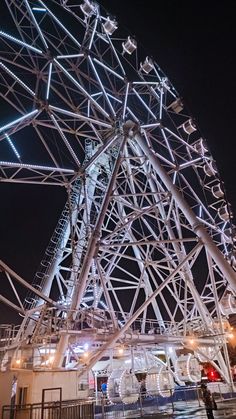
[[121, 351]]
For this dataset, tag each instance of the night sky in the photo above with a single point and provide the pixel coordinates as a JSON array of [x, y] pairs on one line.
[[194, 44]]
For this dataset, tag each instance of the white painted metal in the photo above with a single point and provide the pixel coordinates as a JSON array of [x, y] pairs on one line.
[[123, 386], [143, 250]]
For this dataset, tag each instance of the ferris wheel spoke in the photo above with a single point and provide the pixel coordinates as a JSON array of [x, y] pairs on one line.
[[65, 140], [17, 79], [79, 116], [144, 104], [109, 69], [18, 41], [68, 33], [18, 123], [101, 85], [35, 23], [15, 173], [83, 91]]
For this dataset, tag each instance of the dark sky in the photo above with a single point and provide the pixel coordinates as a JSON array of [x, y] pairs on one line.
[[194, 44]]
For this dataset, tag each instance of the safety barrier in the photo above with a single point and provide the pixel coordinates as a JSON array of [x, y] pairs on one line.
[[185, 400], [55, 410]]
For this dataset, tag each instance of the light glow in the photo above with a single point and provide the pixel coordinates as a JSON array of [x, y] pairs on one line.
[[144, 104], [18, 41], [80, 117], [49, 81], [59, 23], [39, 9], [16, 121], [101, 85], [17, 78], [12, 146], [81, 88], [35, 167]]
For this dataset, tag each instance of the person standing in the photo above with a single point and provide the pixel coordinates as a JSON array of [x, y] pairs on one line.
[[104, 388], [208, 400]]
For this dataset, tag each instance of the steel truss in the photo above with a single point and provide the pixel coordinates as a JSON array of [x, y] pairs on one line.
[[146, 234]]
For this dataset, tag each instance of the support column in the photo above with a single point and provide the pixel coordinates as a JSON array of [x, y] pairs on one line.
[[196, 225]]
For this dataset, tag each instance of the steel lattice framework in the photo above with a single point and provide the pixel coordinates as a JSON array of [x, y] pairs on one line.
[[146, 232]]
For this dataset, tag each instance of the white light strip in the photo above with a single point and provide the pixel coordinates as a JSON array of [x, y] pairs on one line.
[[39, 9], [35, 167], [156, 72], [103, 304], [133, 115], [162, 158], [151, 125], [181, 140], [80, 117], [174, 178], [189, 163], [161, 104], [65, 140], [144, 104], [125, 101], [92, 37], [96, 94], [18, 41], [82, 89], [116, 55], [88, 109], [108, 69], [60, 24], [70, 56], [49, 80], [36, 23], [101, 85], [146, 82], [16, 121], [114, 98], [12, 146], [155, 94], [16, 78]]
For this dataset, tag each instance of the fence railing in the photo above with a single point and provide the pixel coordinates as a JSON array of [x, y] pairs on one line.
[[182, 399], [53, 410]]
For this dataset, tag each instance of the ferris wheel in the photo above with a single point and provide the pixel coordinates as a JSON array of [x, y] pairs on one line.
[[145, 241]]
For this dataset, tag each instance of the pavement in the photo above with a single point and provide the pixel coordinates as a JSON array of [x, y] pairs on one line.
[[189, 410]]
